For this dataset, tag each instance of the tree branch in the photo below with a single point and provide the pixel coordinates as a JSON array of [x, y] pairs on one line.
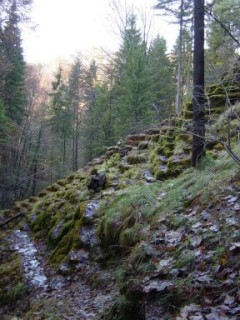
[[10, 220], [222, 25]]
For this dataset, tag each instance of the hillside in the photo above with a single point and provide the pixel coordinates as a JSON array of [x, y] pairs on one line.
[[136, 234]]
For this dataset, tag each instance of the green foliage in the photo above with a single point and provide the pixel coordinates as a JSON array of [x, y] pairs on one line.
[[11, 278], [125, 217], [176, 193], [12, 86], [162, 84], [131, 89]]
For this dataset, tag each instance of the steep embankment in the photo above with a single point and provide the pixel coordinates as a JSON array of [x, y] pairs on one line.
[[136, 234]]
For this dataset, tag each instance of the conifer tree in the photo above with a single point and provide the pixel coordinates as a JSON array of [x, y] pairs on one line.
[[61, 119], [162, 84], [132, 82], [75, 98], [13, 88]]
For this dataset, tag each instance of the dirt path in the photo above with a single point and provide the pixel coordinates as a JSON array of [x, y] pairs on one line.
[[51, 294]]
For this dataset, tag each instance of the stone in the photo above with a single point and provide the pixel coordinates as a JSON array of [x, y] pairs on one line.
[[88, 236], [57, 231], [134, 139], [98, 181], [80, 256], [91, 210]]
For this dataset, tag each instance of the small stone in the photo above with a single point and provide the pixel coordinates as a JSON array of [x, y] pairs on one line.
[[237, 206]]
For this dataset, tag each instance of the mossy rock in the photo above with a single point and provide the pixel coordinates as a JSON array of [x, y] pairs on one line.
[[143, 145], [42, 194], [43, 221], [179, 162], [136, 158], [210, 145], [155, 138], [153, 131], [73, 196], [62, 182], [70, 178], [113, 161], [53, 188], [64, 246], [80, 210], [33, 199], [59, 231], [161, 172], [124, 167]]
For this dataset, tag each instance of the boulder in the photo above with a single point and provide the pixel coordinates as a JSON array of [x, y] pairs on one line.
[[97, 181]]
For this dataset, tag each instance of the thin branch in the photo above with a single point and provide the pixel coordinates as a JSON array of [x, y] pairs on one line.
[[222, 25]]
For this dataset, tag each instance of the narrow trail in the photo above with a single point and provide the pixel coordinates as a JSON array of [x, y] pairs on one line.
[[65, 297]]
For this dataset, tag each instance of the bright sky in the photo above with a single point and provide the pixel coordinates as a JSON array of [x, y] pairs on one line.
[[64, 27]]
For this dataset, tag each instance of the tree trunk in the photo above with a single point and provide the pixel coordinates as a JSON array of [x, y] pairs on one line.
[[198, 147], [179, 76]]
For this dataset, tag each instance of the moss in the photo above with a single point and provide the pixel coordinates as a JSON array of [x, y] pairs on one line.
[[11, 279], [143, 145], [126, 215], [53, 188], [43, 220], [70, 178], [42, 193], [49, 308], [62, 182], [33, 199], [58, 232], [61, 251], [136, 158], [133, 173], [155, 138], [73, 195], [81, 210], [124, 167]]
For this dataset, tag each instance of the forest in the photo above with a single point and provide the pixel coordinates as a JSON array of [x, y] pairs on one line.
[[51, 126], [119, 177]]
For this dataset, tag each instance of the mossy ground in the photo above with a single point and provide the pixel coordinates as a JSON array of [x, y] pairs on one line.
[[12, 286], [134, 216]]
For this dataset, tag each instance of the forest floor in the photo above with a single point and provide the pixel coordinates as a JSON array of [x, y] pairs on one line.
[[51, 295]]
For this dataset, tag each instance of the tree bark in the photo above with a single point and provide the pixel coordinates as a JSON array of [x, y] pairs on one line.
[[198, 147], [179, 76]]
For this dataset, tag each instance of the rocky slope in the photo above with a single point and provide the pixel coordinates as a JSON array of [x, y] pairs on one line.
[[136, 234]]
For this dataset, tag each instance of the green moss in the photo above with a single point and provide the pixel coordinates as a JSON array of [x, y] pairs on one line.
[[62, 182], [124, 167], [143, 145], [42, 221], [53, 188], [42, 193], [70, 178], [73, 195], [61, 251], [59, 231], [49, 309], [136, 158], [11, 279]]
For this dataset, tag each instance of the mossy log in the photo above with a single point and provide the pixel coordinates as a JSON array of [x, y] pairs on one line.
[[4, 223]]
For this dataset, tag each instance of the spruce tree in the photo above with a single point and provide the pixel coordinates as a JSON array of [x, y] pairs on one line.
[[13, 92], [132, 95], [162, 83]]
